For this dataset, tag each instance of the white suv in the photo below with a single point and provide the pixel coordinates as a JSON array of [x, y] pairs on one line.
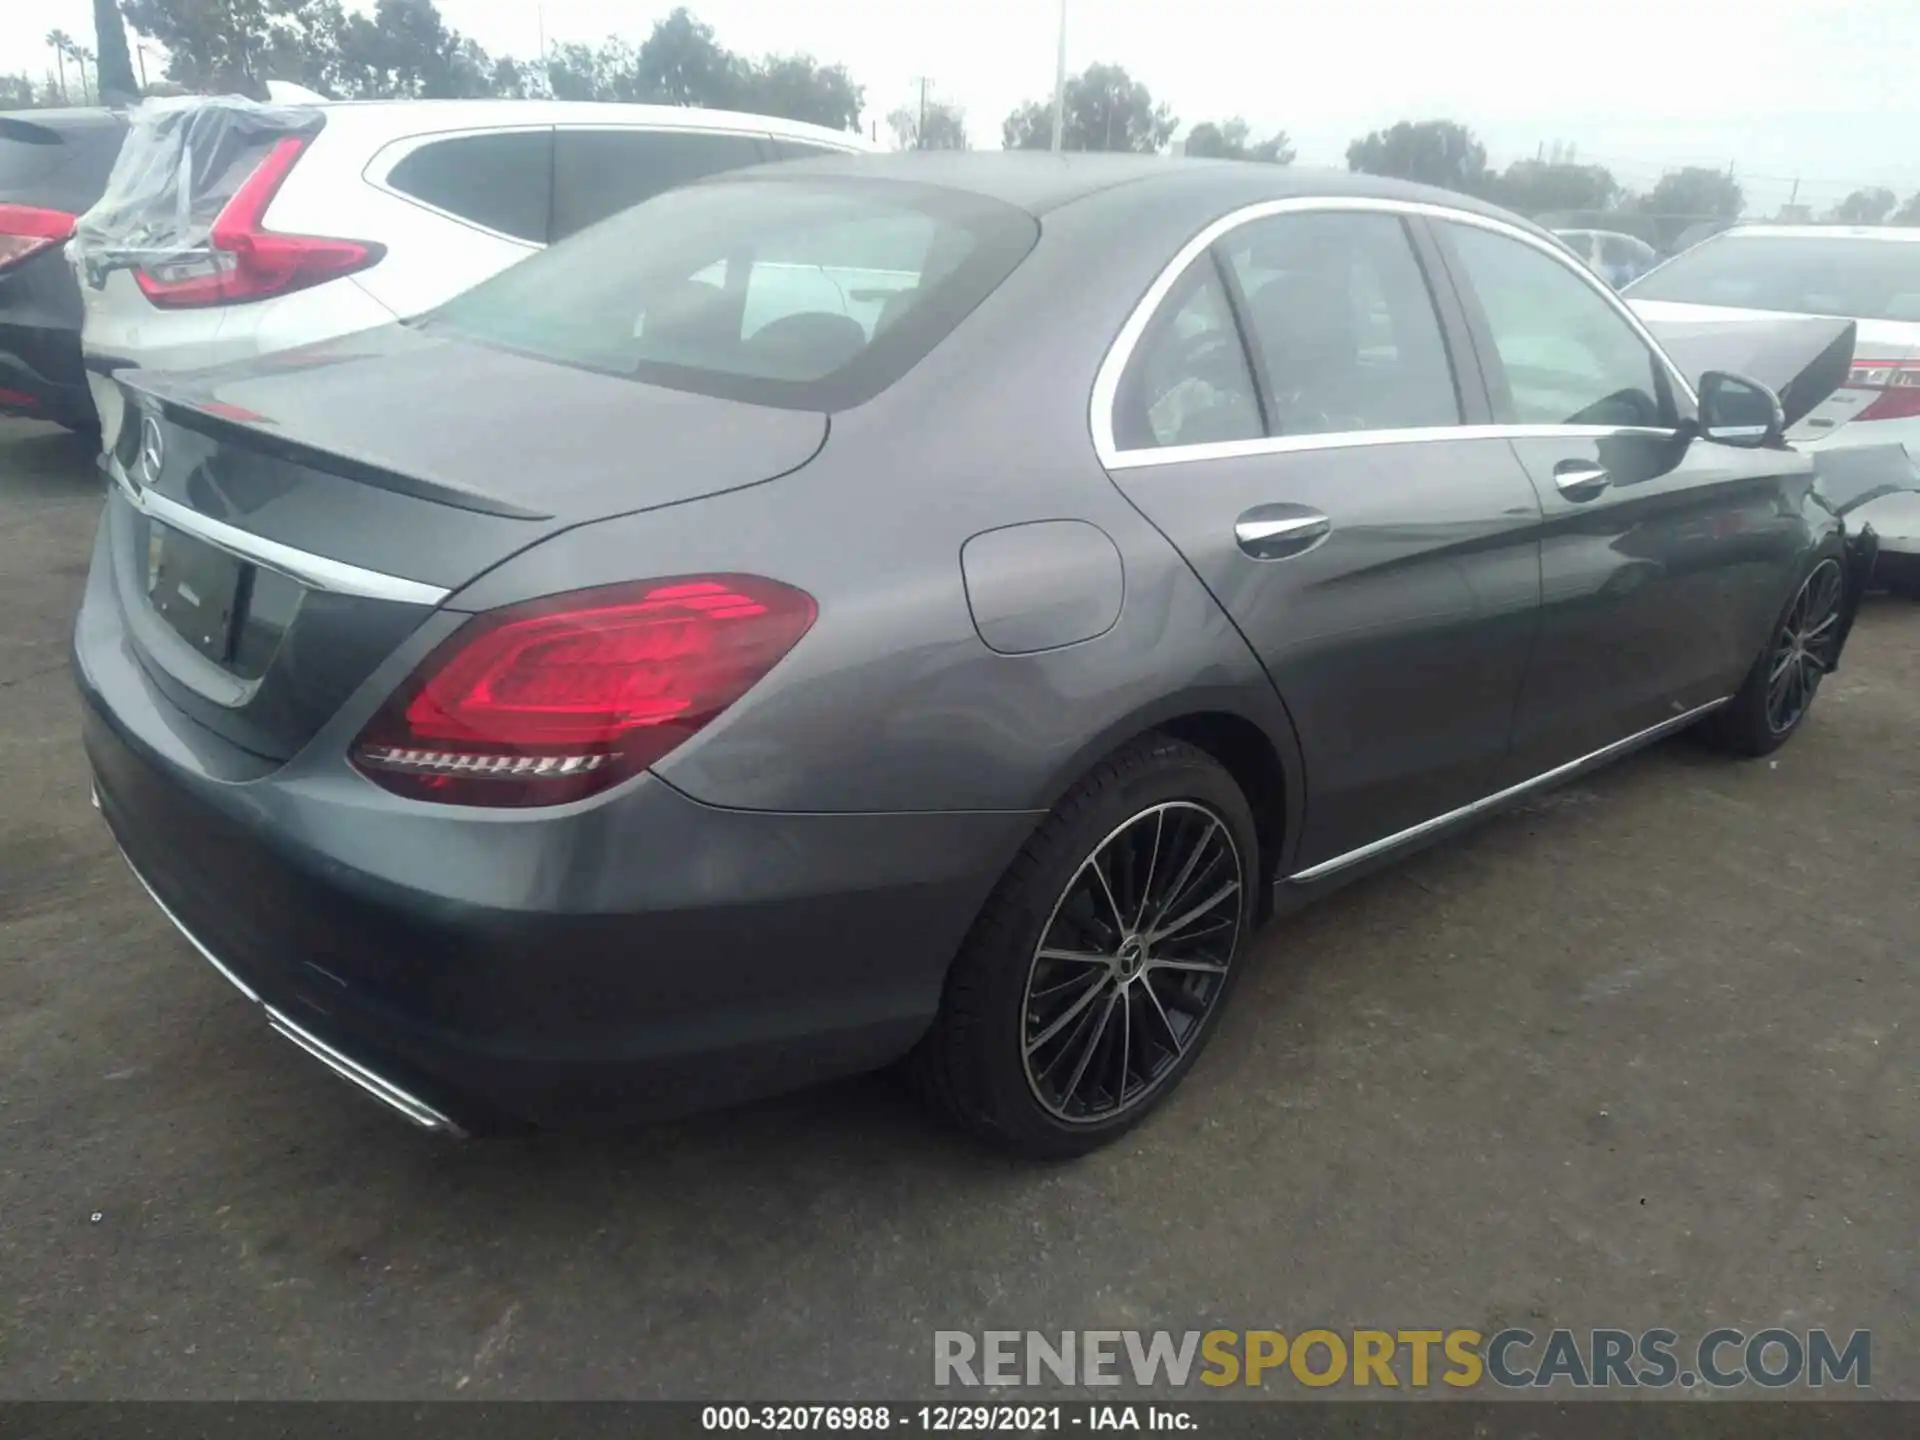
[[354, 214]]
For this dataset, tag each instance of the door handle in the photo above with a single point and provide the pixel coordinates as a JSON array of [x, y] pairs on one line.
[[1579, 479], [1278, 532]]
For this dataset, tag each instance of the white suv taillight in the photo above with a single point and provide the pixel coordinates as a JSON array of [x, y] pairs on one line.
[[245, 262]]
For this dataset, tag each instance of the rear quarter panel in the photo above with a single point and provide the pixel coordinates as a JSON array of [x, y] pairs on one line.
[[893, 701]]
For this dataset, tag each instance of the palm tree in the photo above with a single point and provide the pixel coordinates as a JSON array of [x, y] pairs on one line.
[[82, 57], [62, 43]]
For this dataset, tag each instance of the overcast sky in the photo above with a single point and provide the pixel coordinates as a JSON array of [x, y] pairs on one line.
[[1828, 93]]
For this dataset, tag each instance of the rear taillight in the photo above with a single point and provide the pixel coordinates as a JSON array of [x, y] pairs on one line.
[[547, 702], [245, 262], [1898, 382], [27, 230]]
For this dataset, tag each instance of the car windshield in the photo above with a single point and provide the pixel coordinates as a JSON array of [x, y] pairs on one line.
[[805, 292], [1841, 275]]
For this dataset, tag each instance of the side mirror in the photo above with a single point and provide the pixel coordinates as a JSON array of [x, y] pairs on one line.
[[1737, 411]]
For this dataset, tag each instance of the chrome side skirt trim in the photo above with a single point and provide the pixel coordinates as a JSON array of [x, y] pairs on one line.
[[1494, 801], [385, 1091], [315, 571]]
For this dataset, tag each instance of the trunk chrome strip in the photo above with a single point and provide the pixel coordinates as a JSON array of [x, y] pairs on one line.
[[315, 571], [1512, 792]]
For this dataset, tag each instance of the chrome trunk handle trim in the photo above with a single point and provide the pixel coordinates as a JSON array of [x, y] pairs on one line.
[[317, 572]]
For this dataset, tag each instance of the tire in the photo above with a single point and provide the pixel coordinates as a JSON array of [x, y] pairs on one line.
[[1014, 1024], [1755, 722]]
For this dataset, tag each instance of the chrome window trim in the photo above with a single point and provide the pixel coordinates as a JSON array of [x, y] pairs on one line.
[[317, 572], [1501, 797], [1106, 384], [1349, 439]]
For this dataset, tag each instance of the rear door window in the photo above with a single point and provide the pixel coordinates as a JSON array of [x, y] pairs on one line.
[[1188, 382], [501, 180], [1341, 316], [598, 173]]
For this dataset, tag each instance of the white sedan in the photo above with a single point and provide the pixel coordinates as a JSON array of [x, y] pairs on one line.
[[1869, 274]]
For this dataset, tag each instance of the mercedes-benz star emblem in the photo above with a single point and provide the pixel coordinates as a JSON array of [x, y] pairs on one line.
[[153, 452]]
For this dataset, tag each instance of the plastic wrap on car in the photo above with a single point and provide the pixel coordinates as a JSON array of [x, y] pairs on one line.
[[175, 172]]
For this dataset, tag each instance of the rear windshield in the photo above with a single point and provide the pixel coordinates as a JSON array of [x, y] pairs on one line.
[[1809, 275], [806, 293]]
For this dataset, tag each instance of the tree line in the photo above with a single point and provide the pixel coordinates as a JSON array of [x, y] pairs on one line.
[[406, 49]]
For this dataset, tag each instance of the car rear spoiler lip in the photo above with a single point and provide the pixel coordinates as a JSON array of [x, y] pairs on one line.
[[174, 398]]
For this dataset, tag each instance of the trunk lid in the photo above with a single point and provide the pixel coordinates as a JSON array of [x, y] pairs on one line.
[[1733, 334], [285, 523]]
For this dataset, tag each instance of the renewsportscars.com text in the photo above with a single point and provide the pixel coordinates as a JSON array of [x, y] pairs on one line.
[[1413, 1359]]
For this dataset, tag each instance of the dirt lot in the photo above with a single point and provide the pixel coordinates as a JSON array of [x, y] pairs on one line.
[[1643, 1054]]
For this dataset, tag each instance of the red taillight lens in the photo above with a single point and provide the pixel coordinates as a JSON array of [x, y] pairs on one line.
[[1898, 382], [543, 703], [27, 230], [244, 262]]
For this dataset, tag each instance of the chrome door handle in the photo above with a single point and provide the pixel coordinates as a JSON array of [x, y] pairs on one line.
[[1275, 532], [1580, 479]]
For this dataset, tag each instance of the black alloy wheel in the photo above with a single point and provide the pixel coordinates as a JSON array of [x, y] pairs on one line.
[[1806, 648], [1132, 961]]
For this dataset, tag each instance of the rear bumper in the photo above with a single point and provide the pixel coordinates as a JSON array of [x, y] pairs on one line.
[[635, 956]]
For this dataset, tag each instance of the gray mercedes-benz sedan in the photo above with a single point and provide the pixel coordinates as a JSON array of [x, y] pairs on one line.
[[926, 609]]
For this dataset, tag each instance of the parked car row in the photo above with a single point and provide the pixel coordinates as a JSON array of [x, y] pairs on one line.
[[53, 166], [236, 229]]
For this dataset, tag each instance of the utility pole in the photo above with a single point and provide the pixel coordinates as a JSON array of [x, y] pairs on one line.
[[1060, 83], [920, 131], [540, 20]]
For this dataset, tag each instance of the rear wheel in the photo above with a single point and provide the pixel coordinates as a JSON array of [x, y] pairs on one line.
[[1094, 974], [1780, 689]]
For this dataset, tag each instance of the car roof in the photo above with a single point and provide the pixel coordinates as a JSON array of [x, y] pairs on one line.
[[64, 121], [1906, 233], [1039, 181], [410, 117]]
